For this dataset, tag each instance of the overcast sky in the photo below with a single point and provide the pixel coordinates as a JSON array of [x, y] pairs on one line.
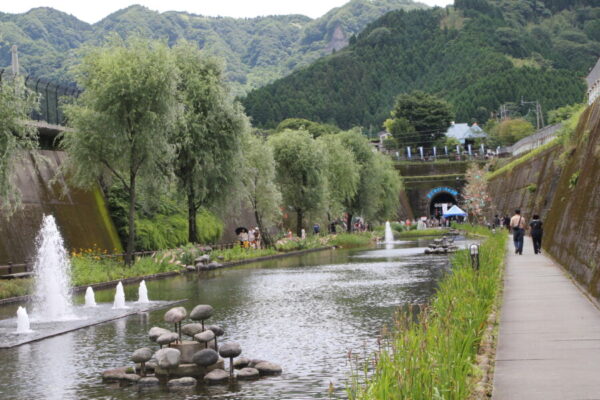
[[94, 10]]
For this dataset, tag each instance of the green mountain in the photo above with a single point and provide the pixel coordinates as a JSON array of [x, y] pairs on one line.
[[256, 50], [477, 55]]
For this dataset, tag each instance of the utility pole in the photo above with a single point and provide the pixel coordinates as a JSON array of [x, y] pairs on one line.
[[539, 116], [15, 60]]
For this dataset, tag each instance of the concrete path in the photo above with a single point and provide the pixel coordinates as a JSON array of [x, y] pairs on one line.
[[549, 343]]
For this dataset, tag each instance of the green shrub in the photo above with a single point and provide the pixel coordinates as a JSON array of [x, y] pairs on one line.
[[531, 188], [349, 240], [423, 232], [15, 287], [238, 253], [162, 225]]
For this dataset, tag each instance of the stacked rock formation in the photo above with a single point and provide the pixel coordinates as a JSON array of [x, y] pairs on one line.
[[181, 363]]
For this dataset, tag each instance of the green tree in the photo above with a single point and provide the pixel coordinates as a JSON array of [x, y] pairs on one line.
[[342, 174], [259, 189], [314, 128], [300, 166], [365, 201], [208, 138], [16, 138], [564, 113], [510, 131], [389, 188], [401, 130], [123, 120], [427, 115]]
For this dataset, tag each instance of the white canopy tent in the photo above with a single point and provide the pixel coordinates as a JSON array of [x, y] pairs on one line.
[[455, 211]]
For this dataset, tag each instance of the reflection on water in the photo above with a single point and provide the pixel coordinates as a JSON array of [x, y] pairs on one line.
[[303, 313]]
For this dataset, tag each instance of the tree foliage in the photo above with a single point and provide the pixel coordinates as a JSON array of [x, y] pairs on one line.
[[123, 120], [209, 133], [314, 128], [342, 172], [16, 138], [259, 190], [476, 56], [510, 131], [300, 166], [419, 118], [257, 50]]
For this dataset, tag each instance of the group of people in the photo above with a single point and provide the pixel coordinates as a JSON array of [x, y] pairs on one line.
[[517, 224], [250, 238]]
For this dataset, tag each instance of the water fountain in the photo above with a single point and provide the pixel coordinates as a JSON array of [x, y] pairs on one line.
[[23, 321], [52, 298], [119, 297], [90, 299], [389, 235], [143, 293]]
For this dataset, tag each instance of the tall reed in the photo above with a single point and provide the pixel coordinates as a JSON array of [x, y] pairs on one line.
[[430, 351]]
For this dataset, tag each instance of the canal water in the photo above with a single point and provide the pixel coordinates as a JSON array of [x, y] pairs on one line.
[[304, 313]]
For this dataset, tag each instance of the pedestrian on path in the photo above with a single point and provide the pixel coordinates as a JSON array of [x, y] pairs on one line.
[[517, 224], [536, 233]]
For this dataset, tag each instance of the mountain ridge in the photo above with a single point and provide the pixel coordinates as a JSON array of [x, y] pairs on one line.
[[477, 55], [256, 50]]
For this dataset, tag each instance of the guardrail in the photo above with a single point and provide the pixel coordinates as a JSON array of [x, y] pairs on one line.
[[52, 96]]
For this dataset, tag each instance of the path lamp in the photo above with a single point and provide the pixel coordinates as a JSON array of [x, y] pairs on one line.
[[474, 251]]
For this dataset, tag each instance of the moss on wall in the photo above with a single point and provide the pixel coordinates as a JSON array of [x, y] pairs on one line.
[[570, 208], [81, 215]]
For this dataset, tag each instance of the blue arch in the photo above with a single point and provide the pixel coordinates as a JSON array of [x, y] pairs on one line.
[[441, 189]]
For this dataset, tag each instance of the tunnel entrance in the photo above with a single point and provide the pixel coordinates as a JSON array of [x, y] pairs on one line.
[[440, 203]]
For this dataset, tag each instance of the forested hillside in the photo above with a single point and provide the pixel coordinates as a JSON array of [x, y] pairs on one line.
[[256, 50], [477, 55]]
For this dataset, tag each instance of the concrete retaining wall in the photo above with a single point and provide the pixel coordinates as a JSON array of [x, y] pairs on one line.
[[567, 196], [81, 216]]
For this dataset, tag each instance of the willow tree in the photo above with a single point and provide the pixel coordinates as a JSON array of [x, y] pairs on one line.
[[122, 121], [342, 172], [300, 166], [388, 189], [208, 138], [16, 137], [259, 189], [365, 200]]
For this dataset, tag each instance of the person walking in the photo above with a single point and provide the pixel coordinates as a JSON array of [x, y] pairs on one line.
[[536, 233], [517, 224]]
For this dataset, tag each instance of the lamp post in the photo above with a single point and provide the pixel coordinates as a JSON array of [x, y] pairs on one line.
[[474, 250]]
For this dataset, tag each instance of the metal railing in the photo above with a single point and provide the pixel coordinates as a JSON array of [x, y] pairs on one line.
[[52, 96]]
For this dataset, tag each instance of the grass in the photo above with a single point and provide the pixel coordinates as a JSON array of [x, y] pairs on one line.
[[89, 270], [422, 232], [430, 351], [350, 240], [239, 253]]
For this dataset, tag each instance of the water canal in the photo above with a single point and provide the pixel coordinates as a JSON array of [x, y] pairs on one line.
[[303, 313]]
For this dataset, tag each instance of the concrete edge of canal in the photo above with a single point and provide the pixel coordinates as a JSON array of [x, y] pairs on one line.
[[135, 279]]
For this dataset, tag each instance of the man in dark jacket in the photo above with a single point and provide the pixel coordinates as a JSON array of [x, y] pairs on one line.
[[536, 233]]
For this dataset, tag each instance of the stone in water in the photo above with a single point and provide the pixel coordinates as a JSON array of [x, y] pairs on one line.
[[201, 312], [175, 315]]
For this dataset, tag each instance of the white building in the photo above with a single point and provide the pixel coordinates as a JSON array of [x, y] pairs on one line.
[[465, 133], [593, 82]]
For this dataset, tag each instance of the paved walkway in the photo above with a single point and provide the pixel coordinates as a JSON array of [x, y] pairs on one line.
[[549, 343]]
